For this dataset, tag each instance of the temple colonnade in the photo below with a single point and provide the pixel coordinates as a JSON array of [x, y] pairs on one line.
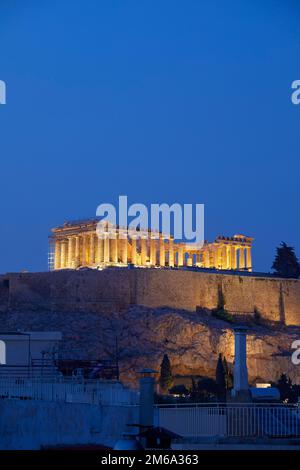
[[86, 248]]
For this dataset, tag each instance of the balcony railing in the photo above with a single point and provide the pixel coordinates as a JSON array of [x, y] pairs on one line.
[[71, 390], [231, 420]]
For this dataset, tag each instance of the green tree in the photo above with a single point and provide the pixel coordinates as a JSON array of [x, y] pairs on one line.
[[286, 263], [205, 390], [221, 379], [166, 377], [286, 389], [228, 375]]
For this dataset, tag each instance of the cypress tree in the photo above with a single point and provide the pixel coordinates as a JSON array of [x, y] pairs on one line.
[[286, 263], [220, 378], [228, 375], [165, 378]]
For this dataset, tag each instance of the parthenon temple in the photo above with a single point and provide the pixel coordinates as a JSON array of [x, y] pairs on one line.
[[80, 244]]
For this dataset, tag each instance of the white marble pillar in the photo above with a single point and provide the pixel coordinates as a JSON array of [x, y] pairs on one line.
[[84, 250], [124, 250], [114, 248], [180, 255], [216, 257], [233, 257], [133, 249], [63, 254], [143, 251], [100, 250], [152, 251], [92, 249], [240, 360], [228, 256], [191, 259], [224, 256], [249, 261], [77, 251], [171, 252], [57, 251], [242, 258], [106, 248], [206, 258], [162, 257], [70, 252]]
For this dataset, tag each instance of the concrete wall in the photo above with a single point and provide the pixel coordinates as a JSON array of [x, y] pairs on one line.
[[116, 288], [33, 424]]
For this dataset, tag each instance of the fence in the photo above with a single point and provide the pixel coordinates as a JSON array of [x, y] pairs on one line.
[[233, 420], [73, 391]]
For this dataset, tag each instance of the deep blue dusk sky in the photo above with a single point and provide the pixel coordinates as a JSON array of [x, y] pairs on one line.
[[165, 101]]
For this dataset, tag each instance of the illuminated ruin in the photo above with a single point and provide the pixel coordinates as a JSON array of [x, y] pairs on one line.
[[79, 244]]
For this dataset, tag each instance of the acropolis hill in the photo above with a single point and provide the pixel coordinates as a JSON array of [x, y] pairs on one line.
[[154, 310]]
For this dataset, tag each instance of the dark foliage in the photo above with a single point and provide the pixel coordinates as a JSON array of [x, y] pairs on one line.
[[286, 263], [166, 377], [205, 390], [289, 392]]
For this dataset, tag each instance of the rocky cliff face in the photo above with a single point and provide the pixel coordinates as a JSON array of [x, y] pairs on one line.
[[192, 340]]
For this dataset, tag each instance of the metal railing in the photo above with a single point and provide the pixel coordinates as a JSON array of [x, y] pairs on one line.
[[67, 390], [33, 370], [232, 420]]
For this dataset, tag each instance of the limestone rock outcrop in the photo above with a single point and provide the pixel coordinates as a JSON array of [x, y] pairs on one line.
[[192, 340]]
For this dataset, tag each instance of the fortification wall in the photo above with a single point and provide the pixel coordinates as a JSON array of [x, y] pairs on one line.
[[69, 290], [115, 288], [276, 299]]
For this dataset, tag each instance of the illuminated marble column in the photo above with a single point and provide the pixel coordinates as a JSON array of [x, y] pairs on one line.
[[223, 257], [180, 255], [114, 248], [100, 250], [138, 251], [220, 256], [153, 251], [84, 249], [106, 248], [228, 256], [70, 252], [206, 259], [171, 252], [124, 250], [240, 360], [216, 257], [249, 261], [133, 249], [63, 254], [57, 251], [95, 248], [162, 258], [143, 251], [92, 249], [77, 251], [233, 258], [242, 258]]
